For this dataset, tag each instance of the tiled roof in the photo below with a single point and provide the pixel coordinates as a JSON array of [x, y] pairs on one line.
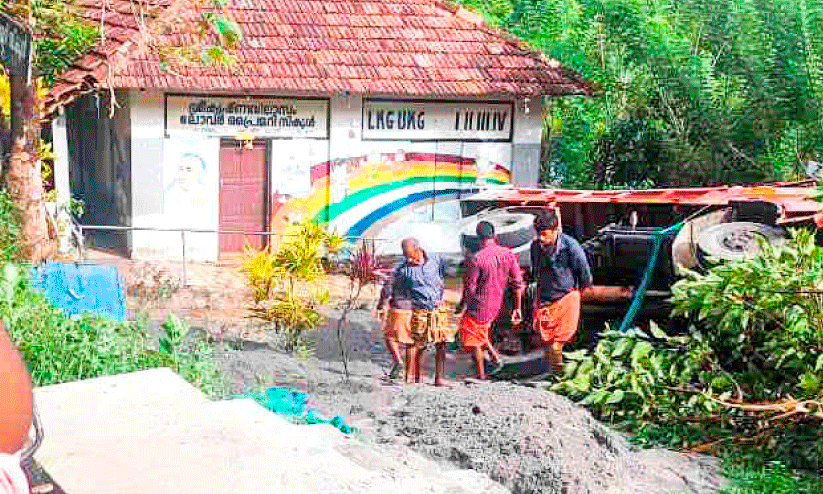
[[397, 47]]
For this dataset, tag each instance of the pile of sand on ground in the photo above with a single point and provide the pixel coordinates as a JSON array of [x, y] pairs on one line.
[[528, 440], [534, 441]]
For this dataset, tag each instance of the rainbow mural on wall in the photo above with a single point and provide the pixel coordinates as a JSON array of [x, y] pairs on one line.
[[359, 196]]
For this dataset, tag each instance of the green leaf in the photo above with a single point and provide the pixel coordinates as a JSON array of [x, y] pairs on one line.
[[744, 319], [622, 346], [819, 364], [230, 31], [615, 397], [594, 398], [570, 368], [641, 350], [809, 383], [657, 332]]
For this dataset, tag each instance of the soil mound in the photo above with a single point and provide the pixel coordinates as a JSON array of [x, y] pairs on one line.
[[533, 441], [528, 440]]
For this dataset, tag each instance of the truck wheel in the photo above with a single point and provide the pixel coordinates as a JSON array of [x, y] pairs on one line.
[[513, 230], [738, 240]]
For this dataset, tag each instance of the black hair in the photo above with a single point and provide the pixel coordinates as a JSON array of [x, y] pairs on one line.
[[546, 220], [485, 230]]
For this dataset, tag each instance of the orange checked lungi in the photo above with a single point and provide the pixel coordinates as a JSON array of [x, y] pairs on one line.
[[557, 321], [431, 326], [398, 326], [473, 334]]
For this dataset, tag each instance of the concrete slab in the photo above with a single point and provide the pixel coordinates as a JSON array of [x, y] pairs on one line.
[[150, 432]]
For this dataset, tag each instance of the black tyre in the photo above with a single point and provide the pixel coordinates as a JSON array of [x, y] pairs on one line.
[[737, 241], [513, 230]]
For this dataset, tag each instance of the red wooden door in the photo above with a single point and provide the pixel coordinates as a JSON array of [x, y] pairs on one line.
[[242, 195]]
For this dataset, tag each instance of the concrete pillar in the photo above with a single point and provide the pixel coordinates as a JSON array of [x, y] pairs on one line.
[[528, 132], [346, 126], [60, 146], [60, 143]]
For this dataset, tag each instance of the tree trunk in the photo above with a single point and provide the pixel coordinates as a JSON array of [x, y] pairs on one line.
[[24, 180]]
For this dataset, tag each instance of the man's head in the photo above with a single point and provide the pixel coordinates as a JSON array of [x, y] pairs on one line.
[[412, 251], [485, 230], [547, 225]]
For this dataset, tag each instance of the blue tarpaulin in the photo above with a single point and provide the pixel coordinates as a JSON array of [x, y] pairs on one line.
[[76, 288], [286, 401]]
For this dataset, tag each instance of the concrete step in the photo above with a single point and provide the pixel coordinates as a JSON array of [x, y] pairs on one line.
[[151, 432]]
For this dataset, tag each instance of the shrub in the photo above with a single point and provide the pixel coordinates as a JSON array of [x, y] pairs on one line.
[[750, 370], [366, 268], [61, 348], [262, 272], [274, 277]]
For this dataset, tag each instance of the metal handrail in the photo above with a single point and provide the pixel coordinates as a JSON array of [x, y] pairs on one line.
[[183, 232], [204, 230], [33, 444]]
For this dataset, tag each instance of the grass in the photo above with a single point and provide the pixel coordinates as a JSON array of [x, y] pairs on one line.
[[767, 478], [748, 470]]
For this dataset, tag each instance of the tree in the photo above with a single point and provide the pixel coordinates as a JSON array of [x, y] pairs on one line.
[[732, 88], [61, 35]]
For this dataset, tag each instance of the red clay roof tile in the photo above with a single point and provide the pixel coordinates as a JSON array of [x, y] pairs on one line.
[[406, 47]]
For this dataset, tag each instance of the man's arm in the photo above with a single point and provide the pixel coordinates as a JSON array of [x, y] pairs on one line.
[[582, 272], [534, 253], [516, 280], [469, 283], [16, 393], [517, 286], [385, 292]]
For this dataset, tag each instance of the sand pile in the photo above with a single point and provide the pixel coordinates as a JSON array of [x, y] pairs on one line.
[[528, 440]]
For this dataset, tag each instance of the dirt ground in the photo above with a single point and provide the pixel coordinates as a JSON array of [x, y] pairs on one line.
[[528, 440]]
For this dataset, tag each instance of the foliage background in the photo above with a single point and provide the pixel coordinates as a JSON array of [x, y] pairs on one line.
[[693, 91]]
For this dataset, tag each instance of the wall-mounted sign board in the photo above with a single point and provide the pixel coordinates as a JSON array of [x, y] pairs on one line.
[[437, 120], [15, 46], [260, 116]]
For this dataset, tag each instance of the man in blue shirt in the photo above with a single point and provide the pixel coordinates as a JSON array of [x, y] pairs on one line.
[[417, 286], [560, 267]]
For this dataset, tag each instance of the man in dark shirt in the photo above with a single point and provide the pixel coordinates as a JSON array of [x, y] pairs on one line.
[[416, 286], [561, 270], [488, 273]]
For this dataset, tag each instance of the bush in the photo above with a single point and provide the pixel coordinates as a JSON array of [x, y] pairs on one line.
[[274, 277], [60, 348], [750, 370]]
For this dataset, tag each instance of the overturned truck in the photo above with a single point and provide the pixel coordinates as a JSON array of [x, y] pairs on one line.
[[618, 228]]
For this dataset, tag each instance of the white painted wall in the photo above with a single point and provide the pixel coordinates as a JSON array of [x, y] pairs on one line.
[[154, 160], [158, 200]]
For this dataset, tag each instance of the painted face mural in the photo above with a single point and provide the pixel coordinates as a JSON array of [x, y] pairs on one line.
[[190, 173], [186, 194]]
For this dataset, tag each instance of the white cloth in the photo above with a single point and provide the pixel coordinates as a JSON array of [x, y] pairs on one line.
[[12, 478]]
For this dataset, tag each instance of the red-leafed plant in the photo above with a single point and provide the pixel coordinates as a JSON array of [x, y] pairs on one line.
[[366, 268]]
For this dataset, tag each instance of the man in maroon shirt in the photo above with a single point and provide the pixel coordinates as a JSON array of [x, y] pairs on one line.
[[487, 274]]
